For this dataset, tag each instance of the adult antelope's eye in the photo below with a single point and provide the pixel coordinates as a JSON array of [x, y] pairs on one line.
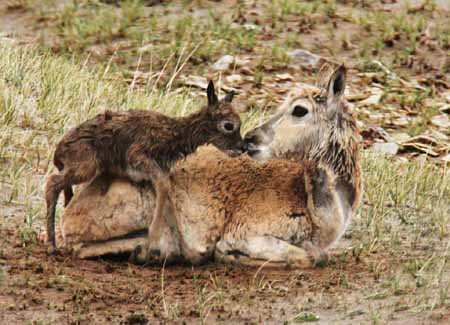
[[299, 111]]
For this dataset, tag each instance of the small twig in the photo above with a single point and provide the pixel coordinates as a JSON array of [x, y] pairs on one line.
[[151, 69], [133, 82], [259, 270], [175, 74], [161, 73], [86, 61], [162, 288], [108, 66]]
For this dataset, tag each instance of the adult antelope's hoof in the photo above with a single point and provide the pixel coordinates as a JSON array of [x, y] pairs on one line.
[[145, 256], [153, 256], [317, 256], [322, 259], [137, 256], [140, 255]]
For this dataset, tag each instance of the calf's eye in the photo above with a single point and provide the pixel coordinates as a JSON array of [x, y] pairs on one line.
[[229, 127]]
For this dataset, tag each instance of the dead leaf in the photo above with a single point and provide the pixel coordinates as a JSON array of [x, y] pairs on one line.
[[445, 109], [146, 48], [234, 79], [195, 81], [251, 27], [284, 77], [423, 139], [421, 144], [401, 137], [446, 158], [357, 97], [419, 147], [376, 132], [373, 99], [401, 121], [247, 71]]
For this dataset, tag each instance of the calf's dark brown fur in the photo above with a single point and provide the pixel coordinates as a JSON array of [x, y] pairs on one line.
[[140, 145]]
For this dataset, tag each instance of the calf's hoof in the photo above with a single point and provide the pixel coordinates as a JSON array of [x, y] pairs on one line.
[[51, 250]]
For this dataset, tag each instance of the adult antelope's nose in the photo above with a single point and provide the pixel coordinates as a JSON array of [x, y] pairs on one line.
[[242, 146], [251, 142]]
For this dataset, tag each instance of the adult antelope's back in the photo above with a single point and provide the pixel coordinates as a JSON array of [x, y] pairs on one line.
[[287, 208]]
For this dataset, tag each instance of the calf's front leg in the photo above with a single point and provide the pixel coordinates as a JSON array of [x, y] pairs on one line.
[[142, 168]]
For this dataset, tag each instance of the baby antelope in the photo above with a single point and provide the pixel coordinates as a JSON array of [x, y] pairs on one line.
[[142, 146]]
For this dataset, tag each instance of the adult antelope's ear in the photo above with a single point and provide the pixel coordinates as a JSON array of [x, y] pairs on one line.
[[323, 75], [336, 84], [211, 93], [229, 97]]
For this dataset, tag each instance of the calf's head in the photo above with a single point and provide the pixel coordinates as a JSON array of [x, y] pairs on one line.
[[224, 124]]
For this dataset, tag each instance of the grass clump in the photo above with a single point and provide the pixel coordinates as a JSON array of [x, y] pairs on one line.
[[41, 97]]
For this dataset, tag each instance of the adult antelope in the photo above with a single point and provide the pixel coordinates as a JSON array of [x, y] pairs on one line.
[[287, 204]]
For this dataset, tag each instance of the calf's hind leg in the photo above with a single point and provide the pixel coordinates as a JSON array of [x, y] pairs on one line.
[[68, 193], [55, 185], [59, 182]]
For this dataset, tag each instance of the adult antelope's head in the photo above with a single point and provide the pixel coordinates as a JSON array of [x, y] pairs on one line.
[[313, 121]]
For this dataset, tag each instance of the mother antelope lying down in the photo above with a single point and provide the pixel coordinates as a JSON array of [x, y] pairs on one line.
[[287, 210]]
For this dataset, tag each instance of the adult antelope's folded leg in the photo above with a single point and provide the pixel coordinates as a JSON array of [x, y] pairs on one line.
[[266, 250]]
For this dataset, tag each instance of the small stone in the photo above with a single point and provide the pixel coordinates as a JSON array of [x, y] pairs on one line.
[[224, 63], [228, 61], [306, 59], [389, 148], [441, 121]]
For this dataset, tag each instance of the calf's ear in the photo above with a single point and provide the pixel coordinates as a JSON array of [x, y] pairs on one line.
[[211, 93], [229, 97]]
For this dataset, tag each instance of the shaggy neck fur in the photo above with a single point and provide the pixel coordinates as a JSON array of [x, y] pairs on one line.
[[340, 152], [193, 131]]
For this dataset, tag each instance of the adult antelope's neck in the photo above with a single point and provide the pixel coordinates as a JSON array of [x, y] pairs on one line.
[[341, 154]]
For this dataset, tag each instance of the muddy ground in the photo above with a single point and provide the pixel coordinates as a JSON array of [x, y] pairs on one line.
[[42, 289]]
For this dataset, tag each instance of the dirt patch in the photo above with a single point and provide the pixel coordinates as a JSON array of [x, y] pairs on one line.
[[38, 288]]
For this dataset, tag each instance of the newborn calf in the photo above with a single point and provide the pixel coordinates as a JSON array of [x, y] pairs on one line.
[[142, 146]]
